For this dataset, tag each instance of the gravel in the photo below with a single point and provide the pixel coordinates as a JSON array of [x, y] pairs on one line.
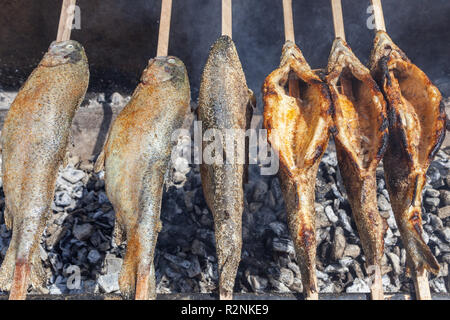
[[79, 234]]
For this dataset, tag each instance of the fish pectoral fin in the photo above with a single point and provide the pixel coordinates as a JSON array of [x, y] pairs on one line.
[[251, 105], [65, 162], [100, 162], [159, 226], [251, 100], [8, 218], [118, 234]]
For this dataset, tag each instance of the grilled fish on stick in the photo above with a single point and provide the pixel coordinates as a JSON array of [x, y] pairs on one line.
[[298, 124], [34, 142], [416, 132], [225, 102], [361, 139], [136, 157]]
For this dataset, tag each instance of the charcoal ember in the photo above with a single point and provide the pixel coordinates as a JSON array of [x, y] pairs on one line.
[[82, 235]]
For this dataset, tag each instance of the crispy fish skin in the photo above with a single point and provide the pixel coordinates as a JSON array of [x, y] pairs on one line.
[[416, 131], [225, 102], [298, 129], [361, 140], [34, 142], [136, 157]]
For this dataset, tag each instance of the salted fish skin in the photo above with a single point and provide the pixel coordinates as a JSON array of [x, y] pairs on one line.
[[136, 158], [34, 143], [225, 102]]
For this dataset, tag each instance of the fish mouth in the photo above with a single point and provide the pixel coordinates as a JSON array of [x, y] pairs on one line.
[[161, 69]]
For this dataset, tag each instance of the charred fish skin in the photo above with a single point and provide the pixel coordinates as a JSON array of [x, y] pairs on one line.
[[416, 131], [225, 102], [299, 126], [34, 142], [361, 140], [136, 158]]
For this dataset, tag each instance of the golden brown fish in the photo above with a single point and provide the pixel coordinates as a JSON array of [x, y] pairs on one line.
[[298, 122], [416, 131], [34, 142], [361, 140], [136, 158], [225, 102]]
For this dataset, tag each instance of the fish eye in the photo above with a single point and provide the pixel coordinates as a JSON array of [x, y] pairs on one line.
[[171, 61], [70, 46]]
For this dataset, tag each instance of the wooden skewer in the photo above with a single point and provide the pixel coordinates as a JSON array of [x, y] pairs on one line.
[[376, 288], [164, 28], [338, 19], [66, 20], [227, 18], [288, 21], [294, 89], [379, 17], [420, 278], [422, 286]]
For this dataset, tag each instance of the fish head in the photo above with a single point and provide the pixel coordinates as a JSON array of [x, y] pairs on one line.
[[291, 52], [63, 52], [224, 53], [342, 61], [383, 46], [163, 69]]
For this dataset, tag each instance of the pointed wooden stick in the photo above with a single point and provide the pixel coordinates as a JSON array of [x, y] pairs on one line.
[[227, 20], [420, 279], [164, 28], [376, 288], [288, 21], [379, 17], [421, 285], [338, 20], [66, 20]]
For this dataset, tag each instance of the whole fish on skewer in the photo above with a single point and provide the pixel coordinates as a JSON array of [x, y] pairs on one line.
[[136, 158], [34, 143], [225, 103], [361, 140], [298, 121], [416, 132]]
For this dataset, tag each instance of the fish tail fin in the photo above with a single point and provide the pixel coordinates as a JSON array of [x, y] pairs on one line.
[[145, 282], [228, 264], [137, 277], [100, 162], [229, 246], [20, 281], [420, 254], [423, 257], [305, 251]]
